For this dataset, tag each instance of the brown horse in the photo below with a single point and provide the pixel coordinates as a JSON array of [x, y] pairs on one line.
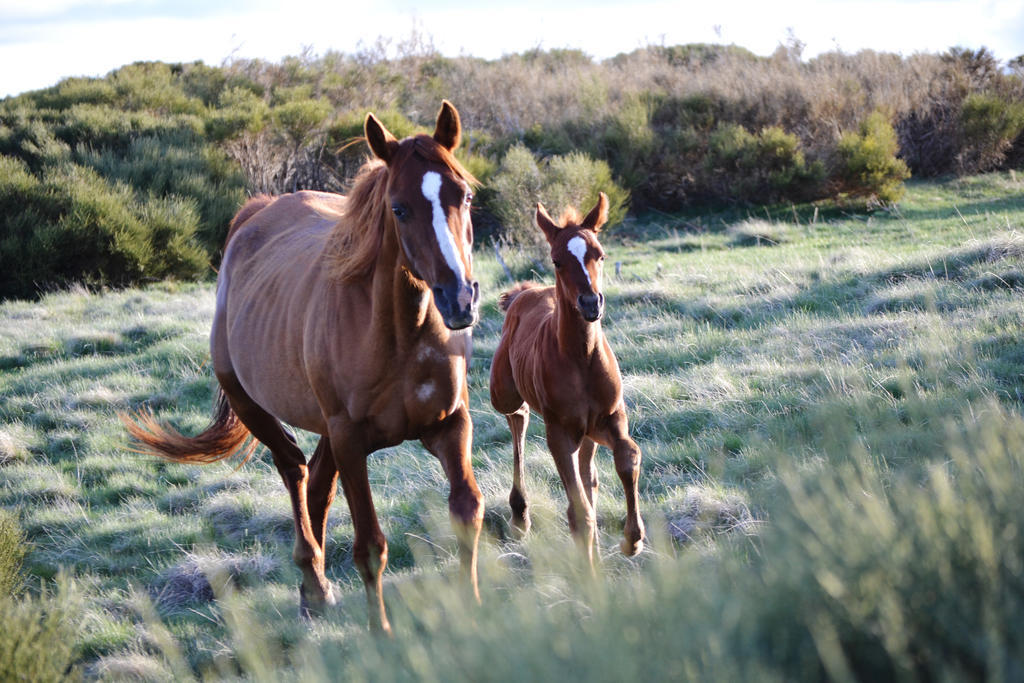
[[341, 316], [553, 357]]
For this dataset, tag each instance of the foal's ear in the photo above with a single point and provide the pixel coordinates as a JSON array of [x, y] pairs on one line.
[[545, 223], [381, 141], [448, 132], [598, 216]]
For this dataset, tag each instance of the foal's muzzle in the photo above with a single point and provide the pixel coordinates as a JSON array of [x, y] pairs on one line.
[[591, 306], [458, 304]]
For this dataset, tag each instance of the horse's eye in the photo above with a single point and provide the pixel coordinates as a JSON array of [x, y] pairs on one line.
[[469, 198], [558, 265], [400, 211]]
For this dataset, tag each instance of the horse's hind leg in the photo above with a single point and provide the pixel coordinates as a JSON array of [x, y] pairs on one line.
[[321, 489], [315, 590], [517, 423]]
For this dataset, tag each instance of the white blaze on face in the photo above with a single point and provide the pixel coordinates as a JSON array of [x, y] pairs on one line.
[[578, 246], [432, 191]]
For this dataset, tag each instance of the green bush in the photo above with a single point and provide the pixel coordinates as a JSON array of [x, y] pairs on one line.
[[990, 125], [870, 577], [71, 225], [517, 186], [560, 182], [12, 552], [867, 165], [239, 110], [38, 641], [178, 168], [759, 168]]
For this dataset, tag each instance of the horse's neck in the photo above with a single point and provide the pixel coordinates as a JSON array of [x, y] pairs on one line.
[[401, 308], [576, 337]]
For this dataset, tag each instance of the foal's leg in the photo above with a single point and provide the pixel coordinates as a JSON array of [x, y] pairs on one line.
[[517, 423], [582, 521], [452, 443], [627, 466], [588, 473], [315, 590]]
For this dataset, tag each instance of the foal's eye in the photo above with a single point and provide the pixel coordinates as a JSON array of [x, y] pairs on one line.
[[400, 211], [558, 264], [469, 198]]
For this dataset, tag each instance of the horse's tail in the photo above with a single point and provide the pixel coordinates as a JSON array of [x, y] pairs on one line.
[[506, 298], [248, 210], [226, 436]]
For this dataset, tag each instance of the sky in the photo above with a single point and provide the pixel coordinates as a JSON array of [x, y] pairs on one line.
[[44, 41]]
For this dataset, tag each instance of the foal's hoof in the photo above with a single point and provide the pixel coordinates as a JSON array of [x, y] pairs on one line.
[[630, 548]]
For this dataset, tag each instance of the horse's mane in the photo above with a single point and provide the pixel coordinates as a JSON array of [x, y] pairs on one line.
[[355, 240]]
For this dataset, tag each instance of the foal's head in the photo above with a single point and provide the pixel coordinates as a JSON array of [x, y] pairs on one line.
[[429, 195], [578, 256]]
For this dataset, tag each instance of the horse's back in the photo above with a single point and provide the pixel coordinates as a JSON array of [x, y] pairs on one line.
[[271, 280]]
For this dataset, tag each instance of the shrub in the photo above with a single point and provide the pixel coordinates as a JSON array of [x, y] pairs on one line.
[[562, 181], [12, 552], [38, 641], [240, 110], [73, 226], [867, 165], [867, 576], [517, 187], [177, 168], [764, 167], [990, 124]]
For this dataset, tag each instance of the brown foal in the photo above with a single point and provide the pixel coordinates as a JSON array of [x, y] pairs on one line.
[[553, 357], [349, 317]]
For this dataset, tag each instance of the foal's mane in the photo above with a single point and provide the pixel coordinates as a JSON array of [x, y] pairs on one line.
[[355, 240]]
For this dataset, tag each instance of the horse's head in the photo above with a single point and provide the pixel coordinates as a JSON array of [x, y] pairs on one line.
[[430, 195], [578, 256]]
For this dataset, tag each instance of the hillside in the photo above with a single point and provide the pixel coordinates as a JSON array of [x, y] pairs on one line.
[[142, 169]]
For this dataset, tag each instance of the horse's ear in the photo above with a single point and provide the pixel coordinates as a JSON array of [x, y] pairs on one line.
[[598, 216], [448, 132], [381, 141], [545, 223]]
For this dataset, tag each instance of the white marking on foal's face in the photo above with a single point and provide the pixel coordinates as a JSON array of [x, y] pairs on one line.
[[578, 246], [432, 191]]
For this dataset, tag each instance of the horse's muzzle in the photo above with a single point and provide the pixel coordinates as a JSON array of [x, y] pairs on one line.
[[591, 306], [458, 304]]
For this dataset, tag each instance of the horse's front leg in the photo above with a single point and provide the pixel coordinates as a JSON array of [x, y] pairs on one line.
[[627, 466], [451, 442], [564, 447], [369, 546]]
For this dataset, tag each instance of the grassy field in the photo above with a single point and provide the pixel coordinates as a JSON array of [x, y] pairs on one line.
[[828, 404]]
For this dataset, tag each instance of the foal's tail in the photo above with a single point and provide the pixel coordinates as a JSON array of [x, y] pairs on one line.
[[226, 436], [506, 298]]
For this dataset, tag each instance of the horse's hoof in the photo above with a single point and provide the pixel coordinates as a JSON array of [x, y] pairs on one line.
[[519, 527], [630, 548], [312, 609]]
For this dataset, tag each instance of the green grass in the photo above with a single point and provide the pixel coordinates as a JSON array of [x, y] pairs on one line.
[[828, 404]]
